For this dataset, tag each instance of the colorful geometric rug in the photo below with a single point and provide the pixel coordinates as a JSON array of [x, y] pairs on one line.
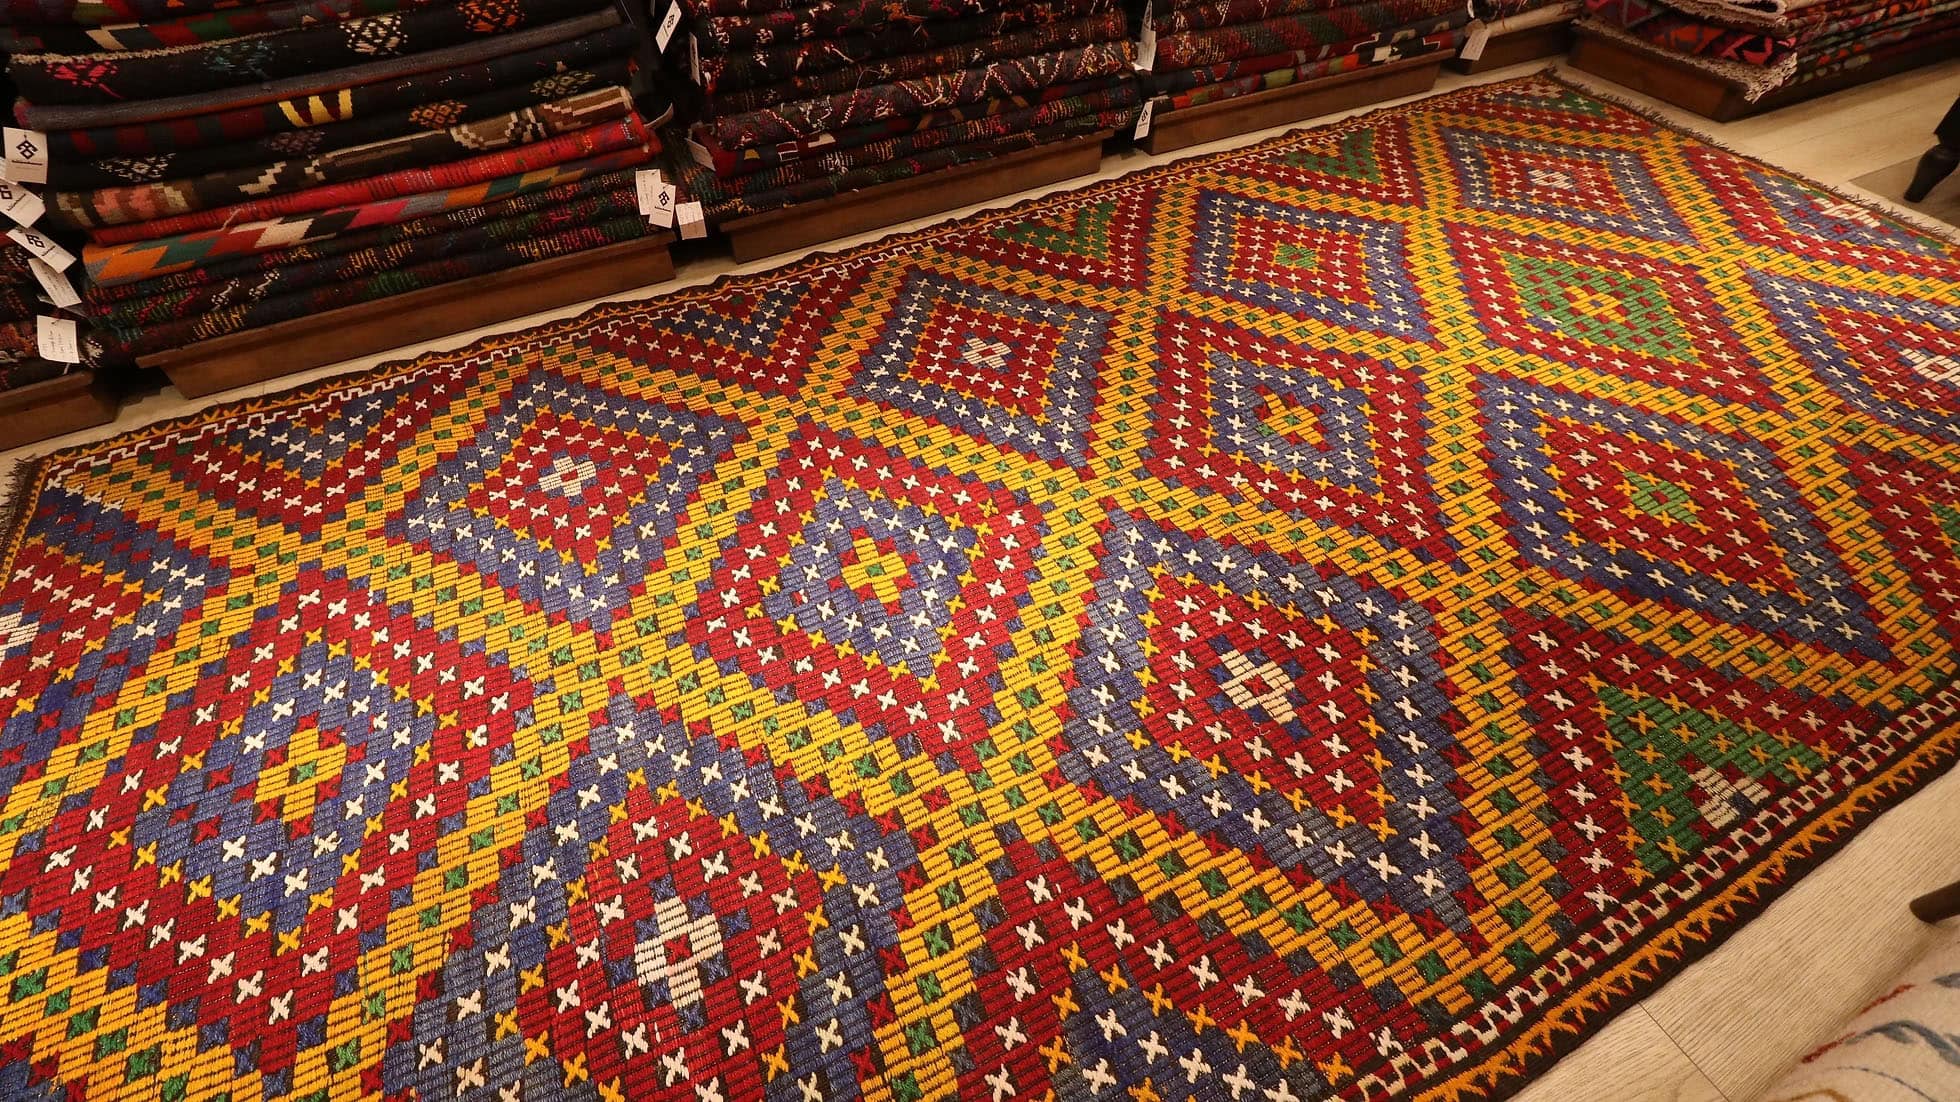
[[1332, 620]]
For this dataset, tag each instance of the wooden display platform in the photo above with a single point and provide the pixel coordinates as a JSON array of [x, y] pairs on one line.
[[793, 227], [1708, 95], [255, 355], [43, 410], [1181, 129], [1518, 47]]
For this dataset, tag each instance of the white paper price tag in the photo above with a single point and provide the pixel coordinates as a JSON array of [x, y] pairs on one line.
[[668, 24], [1381, 54], [60, 291], [27, 156], [1142, 130], [1473, 46], [656, 197], [1147, 41], [700, 154], [42, 246], [57, 340], [20, 203], [693, 223]]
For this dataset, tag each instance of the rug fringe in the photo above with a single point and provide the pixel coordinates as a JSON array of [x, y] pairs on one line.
[[1870, 202]]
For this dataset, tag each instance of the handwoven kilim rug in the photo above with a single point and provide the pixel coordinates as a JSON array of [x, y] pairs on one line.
[[1322, 621]]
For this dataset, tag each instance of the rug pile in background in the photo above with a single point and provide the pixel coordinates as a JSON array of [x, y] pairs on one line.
[[1210, 50], [1336, 619], [1761, 46], [232, 167], [802, 101]]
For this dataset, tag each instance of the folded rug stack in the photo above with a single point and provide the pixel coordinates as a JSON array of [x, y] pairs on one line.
[[1762, 46], [803, 99], [235, 166], [25, 311], [1209, 50]]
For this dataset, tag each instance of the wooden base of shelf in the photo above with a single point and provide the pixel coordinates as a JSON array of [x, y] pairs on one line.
[[255, 355], [1208, 122], [1708, 95], [1518, 47], [44, 410], [803, 224]]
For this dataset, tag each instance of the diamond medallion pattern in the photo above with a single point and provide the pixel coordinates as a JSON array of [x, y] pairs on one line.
[[1335, 620]]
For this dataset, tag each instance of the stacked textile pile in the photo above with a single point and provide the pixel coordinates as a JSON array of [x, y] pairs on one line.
[[800, 100], [24, 309], [1762, 46], [1209, 50], [232, 167]]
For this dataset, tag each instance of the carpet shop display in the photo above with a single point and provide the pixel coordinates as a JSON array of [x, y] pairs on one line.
[[1763, 48], [1336, 619], [797, 103], [268, 136]]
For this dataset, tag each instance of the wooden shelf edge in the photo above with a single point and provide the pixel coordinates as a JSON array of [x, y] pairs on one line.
[[756, 236], [1712, 97], [54, 407], [1207, 122], [1518, 47], [256, 355]]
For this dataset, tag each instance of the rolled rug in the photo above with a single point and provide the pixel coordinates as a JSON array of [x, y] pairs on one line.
[[130, 343], [1361, 48], [167, 198], [109, 264], [316, 92], [592, 141], [250, 267], [837, 160], [827, 18], [216, 26], [702, 184], [439, 97], [723, 71], [1294, 32], [804, 118], [48, 79], [755, 158], [434, 116], [1198, 15], [1107, 27], [1445, 39], [363, 277]]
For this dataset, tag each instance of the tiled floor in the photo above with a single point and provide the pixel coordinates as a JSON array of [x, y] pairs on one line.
[[1725, 1028]]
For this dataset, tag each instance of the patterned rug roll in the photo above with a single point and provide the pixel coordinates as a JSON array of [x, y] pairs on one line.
[[316, 91], [805, 118], [108, 298], [377, 273], [289, 126], [830, 17], [739, 162], [750, 68], [702, 184], [1294, 32], [147, 259], [207, 67], [592, 141], [168, 198], [125, 344], [1252, 73], [283, 15], [985, 128], [1448, 36], [1107, 27], [430, 117]]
